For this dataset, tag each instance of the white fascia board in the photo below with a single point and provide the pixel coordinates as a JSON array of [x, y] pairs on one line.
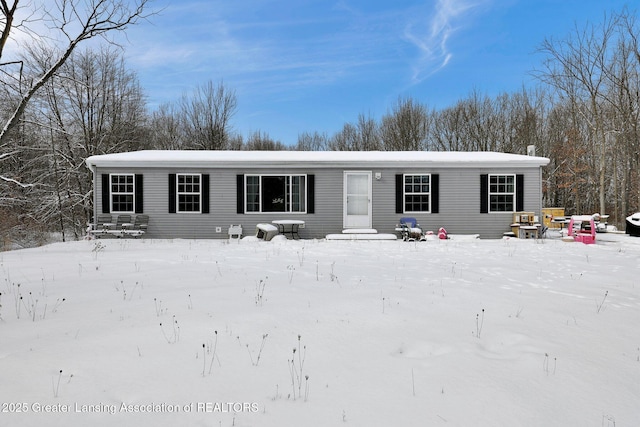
[[315, 159]]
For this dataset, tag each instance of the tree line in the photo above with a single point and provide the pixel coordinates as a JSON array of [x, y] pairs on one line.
[[60, 104]]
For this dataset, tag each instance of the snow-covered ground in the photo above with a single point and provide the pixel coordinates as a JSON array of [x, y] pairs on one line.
[[321, 333]]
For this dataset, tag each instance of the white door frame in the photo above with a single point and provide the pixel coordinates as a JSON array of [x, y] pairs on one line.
[[359, 219]]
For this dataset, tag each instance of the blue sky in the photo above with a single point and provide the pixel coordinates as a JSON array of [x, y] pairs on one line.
[[310, 65]]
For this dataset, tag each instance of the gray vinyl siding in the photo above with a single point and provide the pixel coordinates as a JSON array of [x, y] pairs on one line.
[[328, 204], [459, 205], [459, 193]]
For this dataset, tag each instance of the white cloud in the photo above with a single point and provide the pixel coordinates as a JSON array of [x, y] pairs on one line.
[[269, 55], [432, 39], [281, 54]]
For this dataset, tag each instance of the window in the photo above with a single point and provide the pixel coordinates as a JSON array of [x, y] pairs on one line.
[[417, 193], [122, 193], [188, 192], [502, 193], [253, 194], [275, 193]]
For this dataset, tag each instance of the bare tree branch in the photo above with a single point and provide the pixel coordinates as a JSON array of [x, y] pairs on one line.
[[100, 18], [6, 179], [8, 11]]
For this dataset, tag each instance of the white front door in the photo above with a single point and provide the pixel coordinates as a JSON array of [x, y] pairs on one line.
[[357, 199]]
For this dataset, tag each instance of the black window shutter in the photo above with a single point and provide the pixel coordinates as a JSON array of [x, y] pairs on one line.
[[139, 192], [435, 193], [172, 193], [519, 193], [240, 193], [484, 193], [311, 194], [205, 193], [399, 194], [106, 193]]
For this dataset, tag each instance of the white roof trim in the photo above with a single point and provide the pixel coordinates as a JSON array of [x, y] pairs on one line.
[[317, 159]]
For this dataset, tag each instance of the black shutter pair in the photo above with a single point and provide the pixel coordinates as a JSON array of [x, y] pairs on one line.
[[484, 193], [138, 192], [311, 194], [204, 192], [435, 193]]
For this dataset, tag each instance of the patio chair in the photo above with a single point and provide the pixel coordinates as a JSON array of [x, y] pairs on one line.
[[410, 230], [139, 226], [123, 221], [104, 219], [101, 225], [542, 232], [235, 231]]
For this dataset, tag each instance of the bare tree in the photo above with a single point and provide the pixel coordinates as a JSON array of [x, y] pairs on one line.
[[72, 22], [577, 67], [93, 105], [362, 136], [406, 127], [446, 132], [623, 116], [206, 116], [165, 132], [345, 140], [368, 133], [312, 142], [261, 141]]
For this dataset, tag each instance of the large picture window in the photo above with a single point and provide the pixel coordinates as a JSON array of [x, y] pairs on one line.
[[276, 193], [502, 193], [122, 192], [417, 193], [189, 192]]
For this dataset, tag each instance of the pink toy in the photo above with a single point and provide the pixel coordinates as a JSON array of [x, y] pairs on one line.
[[582, 228], [442, 233]]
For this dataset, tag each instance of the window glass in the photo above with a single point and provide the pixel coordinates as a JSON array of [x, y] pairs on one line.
[[417, 193], [275, 193], [502, 189], [298, 193], [188, 187], [122, 193], [357, 194], [253, 193]]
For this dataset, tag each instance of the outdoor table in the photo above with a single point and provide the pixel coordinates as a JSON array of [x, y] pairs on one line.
[[561, 221], [289, 226]]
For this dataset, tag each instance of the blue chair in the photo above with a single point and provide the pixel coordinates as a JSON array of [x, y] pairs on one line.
[[410, 229]]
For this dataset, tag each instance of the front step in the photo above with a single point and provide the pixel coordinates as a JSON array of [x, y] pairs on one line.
[[361, 236], [359, 231]]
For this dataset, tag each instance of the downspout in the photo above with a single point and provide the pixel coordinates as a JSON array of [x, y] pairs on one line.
[[94, 172], [540, 190]]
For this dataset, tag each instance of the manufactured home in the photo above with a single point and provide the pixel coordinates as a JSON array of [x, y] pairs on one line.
[[201, 194]]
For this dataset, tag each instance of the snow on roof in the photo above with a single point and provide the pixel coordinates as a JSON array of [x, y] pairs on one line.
[[194, 158]]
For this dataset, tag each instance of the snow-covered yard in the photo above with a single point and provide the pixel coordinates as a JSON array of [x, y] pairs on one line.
[[321, 333]]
